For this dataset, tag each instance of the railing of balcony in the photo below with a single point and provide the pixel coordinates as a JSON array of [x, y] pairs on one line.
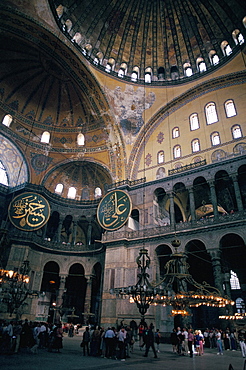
[[234, 218], [187, 167]]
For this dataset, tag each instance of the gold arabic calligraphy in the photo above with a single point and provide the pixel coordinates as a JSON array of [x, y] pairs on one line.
[[113, 210], [29, 210]]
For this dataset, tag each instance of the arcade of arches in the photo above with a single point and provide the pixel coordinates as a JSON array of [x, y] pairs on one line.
[[93, 100]]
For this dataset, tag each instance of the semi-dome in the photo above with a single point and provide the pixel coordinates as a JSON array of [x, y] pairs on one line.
[[163, 39], [89, 179]]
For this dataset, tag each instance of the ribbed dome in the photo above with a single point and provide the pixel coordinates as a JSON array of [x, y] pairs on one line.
[[156, 34], [84, 176], [37, 88]]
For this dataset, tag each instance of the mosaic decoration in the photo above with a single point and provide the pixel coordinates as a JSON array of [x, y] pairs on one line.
[[129, 106], [48, 121], [13, 162], [30, 115], [14, 105], [148, 159], [40, 162], [160, 137]]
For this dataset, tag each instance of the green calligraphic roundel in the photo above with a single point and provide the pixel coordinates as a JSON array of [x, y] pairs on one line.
[[114, 210], [29, 211]]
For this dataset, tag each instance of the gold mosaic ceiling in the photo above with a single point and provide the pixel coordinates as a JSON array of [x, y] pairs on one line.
[[152, 33]]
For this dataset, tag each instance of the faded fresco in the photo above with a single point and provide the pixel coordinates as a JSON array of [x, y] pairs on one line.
[[129, 106]]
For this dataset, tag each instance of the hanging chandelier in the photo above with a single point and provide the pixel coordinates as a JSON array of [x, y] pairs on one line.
[[14, 288], [177, 289]]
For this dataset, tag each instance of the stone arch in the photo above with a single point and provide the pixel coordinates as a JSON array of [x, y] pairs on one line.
[[181, 197], [51, 279], [74, 298], [14, 162], [199, 261], [160, 210], [233, 255], [225, 191]]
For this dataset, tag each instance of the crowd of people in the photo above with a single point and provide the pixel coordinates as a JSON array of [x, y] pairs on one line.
[[189, 342], [110, 343], [15, 335], [117, 343]]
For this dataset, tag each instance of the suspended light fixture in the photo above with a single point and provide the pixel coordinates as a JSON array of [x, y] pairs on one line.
[[14, 288], [177, 289]]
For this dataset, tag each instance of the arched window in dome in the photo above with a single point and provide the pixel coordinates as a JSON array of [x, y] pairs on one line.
[[96, 61], [195, 145], [234, 281], [59, 188], [81, 139], [161, 74], [3, 175], [194, 122], [236, 132], [201, 65], [45, 138], [122, 70], [71, 193], [230, 108], [7, 119], [174, 73], [148, 75], [175, 132], [67, 26], [121, 73], [237, 37], [60, 10], [108, 68], [215, 138], [177, 151], [110, 65], [98, 192], [135, 74], [244, 22], [77, 38], [160, 157], [147, 78], [187, 70], [226, 49], [211, 113], [213, 57]]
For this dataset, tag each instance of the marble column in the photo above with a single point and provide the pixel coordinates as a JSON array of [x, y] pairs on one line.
[[87, 305], [172, 211], [59, 229], [89, 233], [44, 229], [237, 193], [74, 232], [217, 271], [214, 199], [59, 299], [192, 204]]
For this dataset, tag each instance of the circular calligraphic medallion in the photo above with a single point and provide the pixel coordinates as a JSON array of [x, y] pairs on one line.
[[114, 210], [29, 211]]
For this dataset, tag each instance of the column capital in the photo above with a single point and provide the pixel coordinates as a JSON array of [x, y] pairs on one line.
[[215, 254]]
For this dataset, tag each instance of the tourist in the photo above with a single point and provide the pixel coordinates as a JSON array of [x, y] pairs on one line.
[[150, 341], [190, 341]]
